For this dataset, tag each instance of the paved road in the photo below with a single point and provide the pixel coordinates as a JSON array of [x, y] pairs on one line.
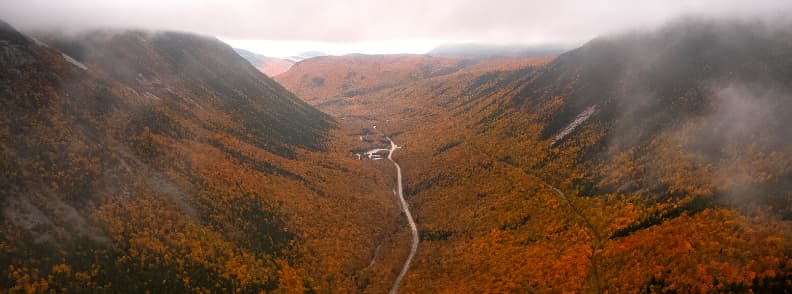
[[406, 209]]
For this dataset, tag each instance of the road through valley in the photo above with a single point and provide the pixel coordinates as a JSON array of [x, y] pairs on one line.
[[406, 210]]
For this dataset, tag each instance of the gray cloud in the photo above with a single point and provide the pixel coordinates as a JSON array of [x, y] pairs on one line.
[[527, 21]]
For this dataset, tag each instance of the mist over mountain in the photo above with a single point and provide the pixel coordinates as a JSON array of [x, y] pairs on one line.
[[480, 50], [307, 54], [158, 161], [270, 66], [714, 86]]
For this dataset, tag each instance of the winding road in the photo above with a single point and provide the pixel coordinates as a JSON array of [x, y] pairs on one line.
[[415, 239]]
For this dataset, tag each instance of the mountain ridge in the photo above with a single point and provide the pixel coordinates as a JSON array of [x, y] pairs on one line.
[[271, 66], [136, 161], [649, 161]]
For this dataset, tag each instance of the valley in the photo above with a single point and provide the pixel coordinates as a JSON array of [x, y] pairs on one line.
[[582, 172], [646, 161]]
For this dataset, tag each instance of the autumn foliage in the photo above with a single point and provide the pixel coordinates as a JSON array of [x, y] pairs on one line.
[[171, 165], [167, 169], [670, 186]]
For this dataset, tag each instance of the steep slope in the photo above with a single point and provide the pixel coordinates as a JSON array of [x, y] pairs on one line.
[[653, 160], [230, 85], [142, 161], [270, 66], [649, 161], [712, 87]]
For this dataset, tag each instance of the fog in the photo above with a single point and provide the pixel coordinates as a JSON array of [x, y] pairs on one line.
[[707, 99], [360, 21]]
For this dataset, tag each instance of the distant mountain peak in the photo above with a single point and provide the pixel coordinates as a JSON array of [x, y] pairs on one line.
[[484, 50], [270, 66], [306, 55]]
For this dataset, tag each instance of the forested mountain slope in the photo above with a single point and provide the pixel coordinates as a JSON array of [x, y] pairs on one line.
[[134, 161], [332, 80], [648, 161]]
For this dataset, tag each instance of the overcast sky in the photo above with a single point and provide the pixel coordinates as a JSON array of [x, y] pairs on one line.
[[286, 27]]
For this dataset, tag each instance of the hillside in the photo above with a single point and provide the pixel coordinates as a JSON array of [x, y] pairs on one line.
[[669, 182], [325, 78], [647, 161], [270, 66], [135, 161], [333, 81]]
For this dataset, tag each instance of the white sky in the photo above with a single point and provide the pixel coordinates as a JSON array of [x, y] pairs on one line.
[[287, 27]]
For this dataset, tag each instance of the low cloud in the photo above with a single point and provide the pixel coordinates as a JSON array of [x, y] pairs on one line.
[[349, 21]]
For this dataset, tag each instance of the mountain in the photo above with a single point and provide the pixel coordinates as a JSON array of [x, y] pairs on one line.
[[647, 161], [355, 74], [653, 161], [306, 55], [335, 79], [652, 138], [156, 161], [270, 66], [479, 50]]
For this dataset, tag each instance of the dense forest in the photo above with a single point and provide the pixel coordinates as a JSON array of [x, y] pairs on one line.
[[650, 161], [653, 161], [140, 161]]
